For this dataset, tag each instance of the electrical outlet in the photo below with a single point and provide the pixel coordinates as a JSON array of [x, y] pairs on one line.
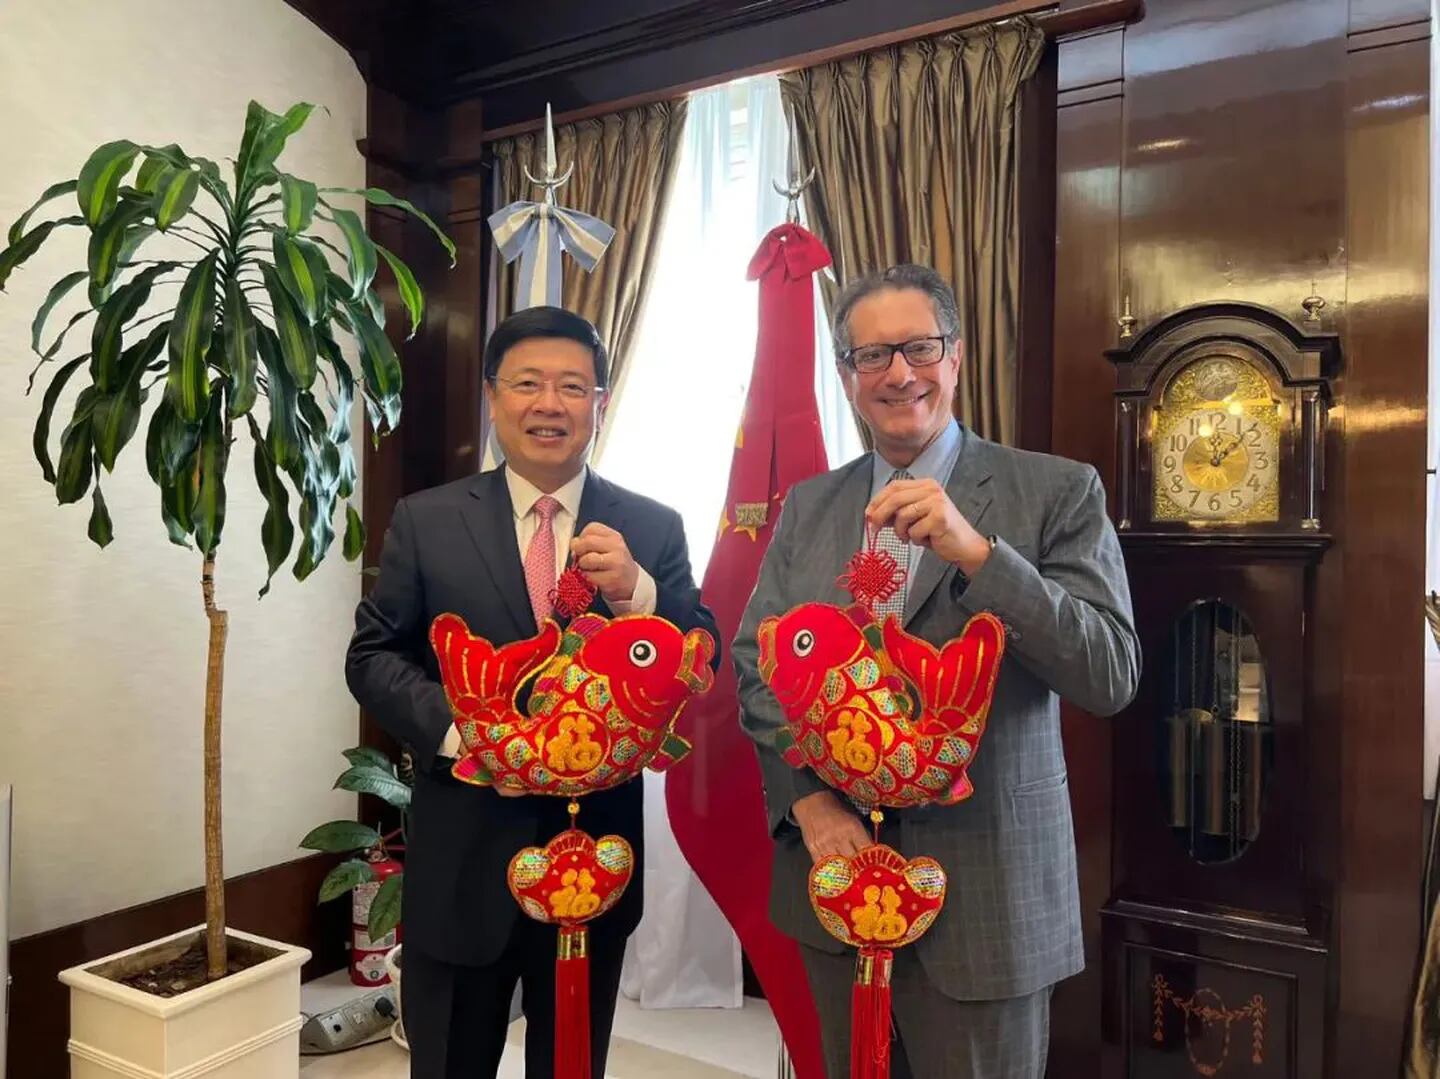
[[364, 1019]]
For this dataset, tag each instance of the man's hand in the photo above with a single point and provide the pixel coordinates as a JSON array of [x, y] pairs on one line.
[[828, 827], [507, 792], [602, 556], [921, 513]]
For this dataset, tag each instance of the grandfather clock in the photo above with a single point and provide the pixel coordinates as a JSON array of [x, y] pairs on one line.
[[1216, 936]]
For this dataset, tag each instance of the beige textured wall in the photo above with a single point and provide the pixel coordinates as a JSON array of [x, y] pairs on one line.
[[102, 654]]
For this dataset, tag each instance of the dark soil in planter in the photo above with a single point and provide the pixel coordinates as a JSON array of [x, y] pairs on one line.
[[179, 966]]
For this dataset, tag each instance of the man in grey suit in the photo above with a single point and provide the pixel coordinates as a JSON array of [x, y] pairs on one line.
[[984, 528]]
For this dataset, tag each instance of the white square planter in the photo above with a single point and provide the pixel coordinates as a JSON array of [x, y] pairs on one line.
[[244, 1026]]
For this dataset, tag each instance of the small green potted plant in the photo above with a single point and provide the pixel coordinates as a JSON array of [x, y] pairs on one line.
[[371, 873], [273, 273]]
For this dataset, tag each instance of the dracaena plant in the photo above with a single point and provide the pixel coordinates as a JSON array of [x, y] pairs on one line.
[[272, 274]]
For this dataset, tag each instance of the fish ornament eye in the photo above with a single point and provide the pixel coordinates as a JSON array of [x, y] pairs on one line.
[[643, 653], [804, 643]]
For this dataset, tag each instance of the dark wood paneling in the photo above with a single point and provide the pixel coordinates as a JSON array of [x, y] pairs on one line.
[[1234, 164], [1383, 394], [1092, 59], [1377, 14], [1087, 297], [278, 903], [1086, 274], [1037, 254]]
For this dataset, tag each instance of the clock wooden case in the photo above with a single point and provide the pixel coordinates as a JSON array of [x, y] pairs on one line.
[[1216, 936]]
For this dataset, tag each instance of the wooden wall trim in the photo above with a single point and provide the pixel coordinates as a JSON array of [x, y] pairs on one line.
[[674, 26], [1361, 40], [1054, 22], [278, 902]]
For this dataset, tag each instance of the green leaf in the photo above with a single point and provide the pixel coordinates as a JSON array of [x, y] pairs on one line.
[[354, 534], [367, 779], [369, 755], [76, 465], [214, 455], [241, 351], [117, 414], [257, 118], [170, 443], [296, 337], [340, 836], [160, 419], [297, 199], [134, 236], [276, 133], [100, 530], [318, 484], [22, 248], [343, 877], [340, 424], [151, 169], [410, 293], [361, 257], [296, 268], [57, 292], [277, 533], [283, 435], [41, 440], [177, 504], [109, 239], [377, 197], [379, 364], [100, 178], [190, 335], [106, 339], [385, 908], [174, 192], [54, 191]]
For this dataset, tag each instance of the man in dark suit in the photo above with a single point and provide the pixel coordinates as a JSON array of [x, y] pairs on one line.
[[489, 548], [980, 527]]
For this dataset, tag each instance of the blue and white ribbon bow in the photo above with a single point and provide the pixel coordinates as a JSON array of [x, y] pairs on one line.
[[536, 233]]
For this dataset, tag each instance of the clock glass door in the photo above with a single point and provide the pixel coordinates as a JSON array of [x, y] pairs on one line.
[[1216, 744]]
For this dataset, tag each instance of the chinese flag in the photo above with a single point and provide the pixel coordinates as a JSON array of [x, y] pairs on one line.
[[715, 802]]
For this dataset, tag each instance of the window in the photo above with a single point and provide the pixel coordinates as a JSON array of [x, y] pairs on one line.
[[672, 430]]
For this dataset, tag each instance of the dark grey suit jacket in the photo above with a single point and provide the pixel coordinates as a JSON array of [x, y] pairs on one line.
[[1056, 578], [452, 549]]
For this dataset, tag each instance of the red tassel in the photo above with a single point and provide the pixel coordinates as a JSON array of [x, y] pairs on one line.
[[572, 1004], [870, 1015]]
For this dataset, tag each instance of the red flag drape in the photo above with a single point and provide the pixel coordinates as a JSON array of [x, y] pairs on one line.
[[715, 802]]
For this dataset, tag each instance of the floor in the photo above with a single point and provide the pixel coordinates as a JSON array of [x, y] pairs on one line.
[[701, 1043]]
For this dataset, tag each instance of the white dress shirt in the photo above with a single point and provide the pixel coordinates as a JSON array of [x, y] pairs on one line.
[[523, 496]]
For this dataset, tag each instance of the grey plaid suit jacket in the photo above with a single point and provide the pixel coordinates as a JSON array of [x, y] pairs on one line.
[[1056, 578]]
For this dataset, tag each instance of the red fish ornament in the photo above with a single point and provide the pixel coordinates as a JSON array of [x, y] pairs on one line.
[[891, 721], [604, 696], [877, 712], [600, 700]]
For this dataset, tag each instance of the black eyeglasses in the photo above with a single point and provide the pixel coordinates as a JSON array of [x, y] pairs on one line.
[[918, 352]]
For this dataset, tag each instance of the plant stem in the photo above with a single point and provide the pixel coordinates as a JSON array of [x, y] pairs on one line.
[[214, 849]]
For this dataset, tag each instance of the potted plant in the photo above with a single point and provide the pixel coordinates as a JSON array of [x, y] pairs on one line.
[[371, 873], [250, 343]]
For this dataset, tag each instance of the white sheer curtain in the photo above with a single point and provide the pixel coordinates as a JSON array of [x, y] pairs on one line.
[[673, 436]]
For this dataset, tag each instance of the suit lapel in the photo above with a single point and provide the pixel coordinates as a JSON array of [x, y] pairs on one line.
[[490, 519], [850, 502], [969, 488]]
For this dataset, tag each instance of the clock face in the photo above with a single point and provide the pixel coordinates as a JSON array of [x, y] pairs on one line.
[[1216, 445]]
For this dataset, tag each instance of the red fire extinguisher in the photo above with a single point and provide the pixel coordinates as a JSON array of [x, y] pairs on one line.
[[367, 957]]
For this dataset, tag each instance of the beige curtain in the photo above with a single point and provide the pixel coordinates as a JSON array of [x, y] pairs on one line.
[[625, 165], [916, 151]]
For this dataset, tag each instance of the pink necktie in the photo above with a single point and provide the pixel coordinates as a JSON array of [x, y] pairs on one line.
[[540, 559]]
